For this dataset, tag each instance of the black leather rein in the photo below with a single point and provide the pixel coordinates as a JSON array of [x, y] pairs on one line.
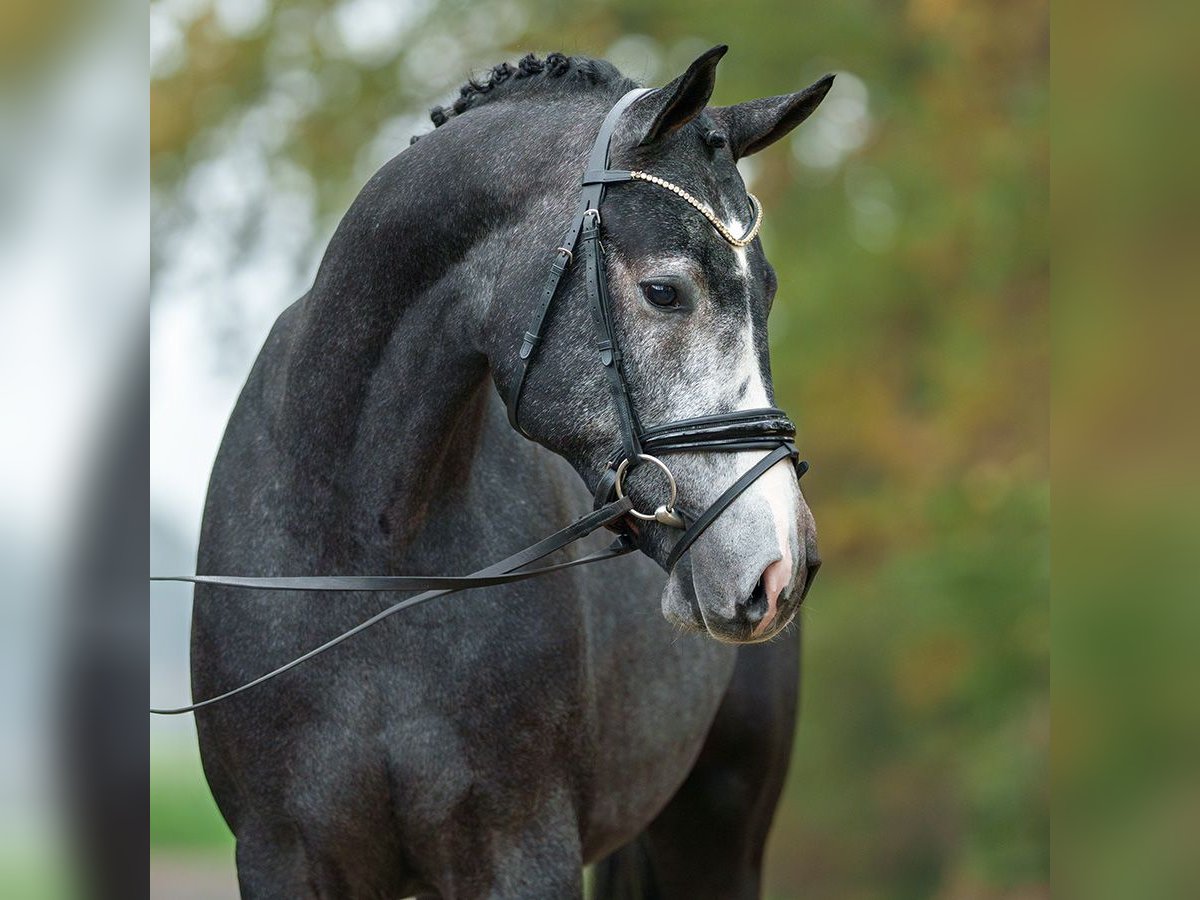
[[508, 570], [738, 431]]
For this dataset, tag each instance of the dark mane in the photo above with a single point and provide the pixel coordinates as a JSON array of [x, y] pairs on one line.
[[504, 79]]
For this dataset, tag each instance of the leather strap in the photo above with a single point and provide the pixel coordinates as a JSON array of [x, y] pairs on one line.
[[701, 524], [606, 176], [381, 583], [610, 351], [579, 529], [737, 415], [596, 176], [743, 422], [606, 487], [740, 430]]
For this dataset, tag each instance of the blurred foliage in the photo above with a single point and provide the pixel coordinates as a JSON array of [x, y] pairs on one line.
[[33, 34], [1126, 441], [908, 224]]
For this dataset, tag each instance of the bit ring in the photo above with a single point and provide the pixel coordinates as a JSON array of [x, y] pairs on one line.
[[620, 486]]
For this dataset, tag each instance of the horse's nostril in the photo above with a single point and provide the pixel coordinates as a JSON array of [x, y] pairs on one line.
[[754, 607]]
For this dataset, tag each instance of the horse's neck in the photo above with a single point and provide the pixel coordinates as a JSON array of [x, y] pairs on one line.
[[379, 382], [383, 383]]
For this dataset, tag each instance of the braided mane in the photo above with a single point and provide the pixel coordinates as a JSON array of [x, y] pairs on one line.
[[503, 79]]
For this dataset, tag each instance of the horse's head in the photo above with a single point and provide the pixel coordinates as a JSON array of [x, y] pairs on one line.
[[690, 312]]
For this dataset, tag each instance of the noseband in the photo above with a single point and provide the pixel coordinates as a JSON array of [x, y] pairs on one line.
[[736, 431], [740, 430]]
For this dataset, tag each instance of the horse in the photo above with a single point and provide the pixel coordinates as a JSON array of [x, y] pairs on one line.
[[497, 744]]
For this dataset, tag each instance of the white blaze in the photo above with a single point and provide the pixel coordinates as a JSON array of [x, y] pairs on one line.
[[777, 487]]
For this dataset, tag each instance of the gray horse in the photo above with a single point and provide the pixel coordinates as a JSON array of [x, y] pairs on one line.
[[494, 744]]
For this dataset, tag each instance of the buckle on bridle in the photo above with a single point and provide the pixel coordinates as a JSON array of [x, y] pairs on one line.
[[664, 514]]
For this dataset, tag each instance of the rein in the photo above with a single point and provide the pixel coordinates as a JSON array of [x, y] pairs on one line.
[[506, 571], [741, 430]]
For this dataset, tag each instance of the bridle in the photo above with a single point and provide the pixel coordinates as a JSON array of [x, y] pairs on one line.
[[741, 430]]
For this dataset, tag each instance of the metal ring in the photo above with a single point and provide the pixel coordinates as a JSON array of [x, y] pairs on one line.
[[570, 255], [593, 212], [645, 457]]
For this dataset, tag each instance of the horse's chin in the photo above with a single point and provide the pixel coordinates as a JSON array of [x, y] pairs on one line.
[[681, 607]]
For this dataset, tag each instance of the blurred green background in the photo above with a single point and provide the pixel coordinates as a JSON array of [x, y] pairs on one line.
[[910, 340]]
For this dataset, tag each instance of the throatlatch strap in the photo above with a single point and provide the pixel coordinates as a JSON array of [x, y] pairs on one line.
[[569, 535]]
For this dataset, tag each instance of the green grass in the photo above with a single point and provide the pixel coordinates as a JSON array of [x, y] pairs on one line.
[[36, 875], [183, 815]]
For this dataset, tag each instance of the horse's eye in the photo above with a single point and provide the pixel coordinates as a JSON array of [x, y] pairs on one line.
[[659, 294]]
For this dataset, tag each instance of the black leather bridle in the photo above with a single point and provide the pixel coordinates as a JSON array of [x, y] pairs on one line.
[[740, 430]]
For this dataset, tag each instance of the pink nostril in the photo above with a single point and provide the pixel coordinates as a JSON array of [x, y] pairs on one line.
[[774, 579]]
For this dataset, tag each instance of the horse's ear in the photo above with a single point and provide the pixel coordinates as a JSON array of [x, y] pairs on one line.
[[683, 99], [756, 124]]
